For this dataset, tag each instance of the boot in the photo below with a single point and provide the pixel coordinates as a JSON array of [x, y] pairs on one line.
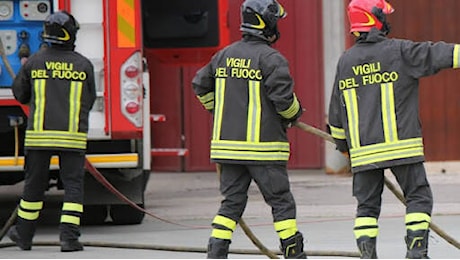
[[417, 244], [293, 247], [71, 246], [367, 247], [24, 244], [218, 248]]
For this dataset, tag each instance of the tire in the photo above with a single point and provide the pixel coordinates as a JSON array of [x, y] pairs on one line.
[[123, 214], [94, 214]]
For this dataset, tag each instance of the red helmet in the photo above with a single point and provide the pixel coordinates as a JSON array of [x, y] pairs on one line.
[[365, 14]]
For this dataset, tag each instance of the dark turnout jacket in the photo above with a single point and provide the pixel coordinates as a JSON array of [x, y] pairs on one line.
[[248, 88], [374, 108], [59, 85]]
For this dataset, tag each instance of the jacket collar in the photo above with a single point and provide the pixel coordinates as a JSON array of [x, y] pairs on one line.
[[374, 35]]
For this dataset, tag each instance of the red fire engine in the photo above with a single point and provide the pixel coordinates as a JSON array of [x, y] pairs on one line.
[[113, 35]]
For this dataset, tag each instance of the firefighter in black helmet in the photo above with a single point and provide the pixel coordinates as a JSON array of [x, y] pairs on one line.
[[374, 117], [58, 84], [248, 88]]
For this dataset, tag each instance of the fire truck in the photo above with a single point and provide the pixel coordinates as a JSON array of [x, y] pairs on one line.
[[111, 35]]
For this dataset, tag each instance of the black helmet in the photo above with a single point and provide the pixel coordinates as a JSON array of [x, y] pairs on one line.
[[260, 17], [60, 28]]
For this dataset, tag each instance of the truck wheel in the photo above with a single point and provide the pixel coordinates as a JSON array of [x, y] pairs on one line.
[[123, 214], [94, 214]]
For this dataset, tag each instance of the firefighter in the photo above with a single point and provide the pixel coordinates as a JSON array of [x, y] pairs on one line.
[[58, 84], [373, 117], [248, 88]]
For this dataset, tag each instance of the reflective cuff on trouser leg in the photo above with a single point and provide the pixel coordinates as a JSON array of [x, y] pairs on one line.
[[70, 221], [366, 231], [28, 213], [221, 237], [291, 239], [417, 225]]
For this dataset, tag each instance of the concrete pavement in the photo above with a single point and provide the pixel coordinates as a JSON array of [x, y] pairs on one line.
[[325, 216]]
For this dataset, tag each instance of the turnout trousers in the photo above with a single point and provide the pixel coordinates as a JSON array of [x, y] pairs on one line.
[[37, 163]]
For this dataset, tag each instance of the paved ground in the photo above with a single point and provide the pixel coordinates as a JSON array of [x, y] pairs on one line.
[[325, 216]]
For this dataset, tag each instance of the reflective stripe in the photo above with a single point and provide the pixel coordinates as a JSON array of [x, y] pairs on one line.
[[292, 110], [69, 206], [351, 102], [126, 24], [286, 228], [389, 113], [36, 205], [28, 215], [222, 234], [240, 150], [224, 221], [218, 108], [456, 54], [365, 226], [74, 105], [254, 112], [365, 221], [417, 221], [285, 234], [207, 100], [337, 133], [386, 151], [70, 219], [285, 224], [51, 138], [39, 113]]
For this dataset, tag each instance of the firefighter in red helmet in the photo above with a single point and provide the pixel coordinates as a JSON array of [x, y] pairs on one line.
[[248, 88], [374, 118]]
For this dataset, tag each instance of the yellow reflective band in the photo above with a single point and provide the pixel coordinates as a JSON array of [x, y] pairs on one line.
[[222, 234], [250, 146], [337, 133], [389, 113], [70, 219], [292, 110], [456, 61], [285, 234], [218, 107], [254, 112], [418, 226], [383, 147], [69, 206], [39, 113], [36, 205], [386, 156], [28, 215], [351, 102], [369, 232], [224, 221], [126, 24], [74, 105], [285, 224], [207, 100], [417, 217], [253, 156], [365, 221]]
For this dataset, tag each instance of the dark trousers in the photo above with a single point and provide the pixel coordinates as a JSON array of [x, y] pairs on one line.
[[37, 163], [272, 181], [368, 188]]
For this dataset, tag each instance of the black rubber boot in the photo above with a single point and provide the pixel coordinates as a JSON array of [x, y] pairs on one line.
[[417, 244], [71, 246], [218, 248], [24, 244], [367, 247], [293, 247]]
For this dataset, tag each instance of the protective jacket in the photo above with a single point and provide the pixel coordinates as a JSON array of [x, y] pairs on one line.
[[249, 89], [59, 85], [374, 110]]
